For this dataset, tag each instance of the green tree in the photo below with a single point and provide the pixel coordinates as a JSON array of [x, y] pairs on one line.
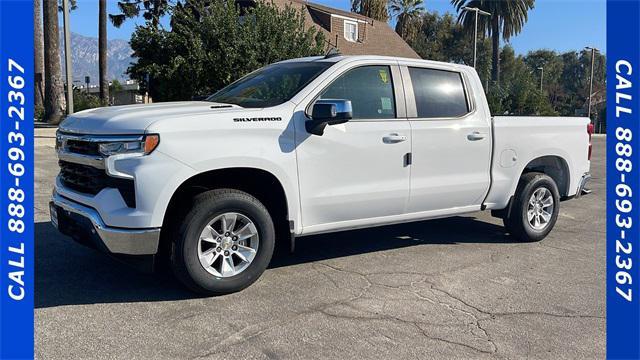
[[506, 20], [211, 44], [375, 9], [152, 11], [575, 78], [405, 12], [83, 101], [547, 66], [566, 76], [520, 91], [440, 38], [566, 80], [114, 88]]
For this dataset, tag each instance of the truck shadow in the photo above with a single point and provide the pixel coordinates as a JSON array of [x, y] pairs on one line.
[[453, 230], [69, 274]]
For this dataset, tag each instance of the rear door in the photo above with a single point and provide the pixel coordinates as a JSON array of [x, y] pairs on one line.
[[451, 140], [356, 170]]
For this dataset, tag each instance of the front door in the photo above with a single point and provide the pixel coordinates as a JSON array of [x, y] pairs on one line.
[[357, 170]]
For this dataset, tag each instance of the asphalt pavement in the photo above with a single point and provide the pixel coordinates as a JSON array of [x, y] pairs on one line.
[[451, 288]]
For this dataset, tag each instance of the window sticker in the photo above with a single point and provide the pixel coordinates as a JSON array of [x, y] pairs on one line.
[[384, 77], [386, 103]]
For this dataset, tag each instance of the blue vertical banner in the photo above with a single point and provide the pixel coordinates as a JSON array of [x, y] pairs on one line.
[[623, 179], [16, 179]]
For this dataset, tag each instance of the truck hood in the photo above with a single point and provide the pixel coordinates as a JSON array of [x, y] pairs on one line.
[[134, 119]]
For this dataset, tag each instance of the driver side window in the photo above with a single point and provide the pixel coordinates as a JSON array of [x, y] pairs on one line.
[[370, 89]]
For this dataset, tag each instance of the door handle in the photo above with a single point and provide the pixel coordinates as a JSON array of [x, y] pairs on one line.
[[474, 136], [394, 138]]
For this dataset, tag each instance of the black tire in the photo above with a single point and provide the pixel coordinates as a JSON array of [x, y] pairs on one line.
[[516, 221], [184, 250]]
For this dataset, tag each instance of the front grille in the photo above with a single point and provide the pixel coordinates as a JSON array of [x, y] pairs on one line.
[[82, 147], [89, 180]]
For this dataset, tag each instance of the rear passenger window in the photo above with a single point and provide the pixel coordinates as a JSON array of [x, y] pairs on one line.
[[438, 93], [370, 89]]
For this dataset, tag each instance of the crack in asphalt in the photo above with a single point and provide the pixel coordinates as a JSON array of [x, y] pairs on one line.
[[320, 309], [514, 313], [561, 248], [476, 314], [323, 274], [480, 315], [452, 309], [416, 324]]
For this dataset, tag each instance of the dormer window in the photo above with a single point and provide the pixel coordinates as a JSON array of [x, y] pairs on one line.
[[351, 30]]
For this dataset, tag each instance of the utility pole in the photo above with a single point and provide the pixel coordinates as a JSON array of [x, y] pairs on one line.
[[67, 55], [475, 31], [541, 68], [593, 55]]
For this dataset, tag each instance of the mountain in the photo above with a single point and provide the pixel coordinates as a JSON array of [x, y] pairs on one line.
[[84, 58]]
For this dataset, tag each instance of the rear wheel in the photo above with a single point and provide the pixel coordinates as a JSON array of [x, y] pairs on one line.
[[535, 207], [224, 243]]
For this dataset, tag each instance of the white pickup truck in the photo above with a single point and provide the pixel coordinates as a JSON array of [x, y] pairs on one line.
[[302, 147]]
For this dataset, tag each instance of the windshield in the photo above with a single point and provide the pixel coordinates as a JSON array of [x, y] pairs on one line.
[[272, 85]]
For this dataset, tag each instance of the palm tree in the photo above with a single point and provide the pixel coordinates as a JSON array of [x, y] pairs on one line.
[[54, 102], [507, 19], [152, 11], [73, 4], [375, 9], [38, 53], [102, 52], [405, 11]]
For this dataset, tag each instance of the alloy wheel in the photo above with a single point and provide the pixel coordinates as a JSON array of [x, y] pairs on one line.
[[228, 244], [540, 208]]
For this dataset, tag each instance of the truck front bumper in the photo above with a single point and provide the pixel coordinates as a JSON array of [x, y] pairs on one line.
[[84, 225]]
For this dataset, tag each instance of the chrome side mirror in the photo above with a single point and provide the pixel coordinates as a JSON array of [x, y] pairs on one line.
[[328, 112]]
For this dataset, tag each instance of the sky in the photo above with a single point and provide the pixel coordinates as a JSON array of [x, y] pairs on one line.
[[560, 25]]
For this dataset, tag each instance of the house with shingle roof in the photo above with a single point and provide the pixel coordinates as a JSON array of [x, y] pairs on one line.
[[348, 32]]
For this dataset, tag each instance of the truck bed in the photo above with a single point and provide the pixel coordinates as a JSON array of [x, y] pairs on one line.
[[536, 137]]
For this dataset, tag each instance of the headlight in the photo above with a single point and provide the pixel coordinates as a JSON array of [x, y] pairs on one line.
[[143, 146]]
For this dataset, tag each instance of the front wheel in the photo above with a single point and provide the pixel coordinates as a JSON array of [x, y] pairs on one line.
[[535, 208], [224, 243]]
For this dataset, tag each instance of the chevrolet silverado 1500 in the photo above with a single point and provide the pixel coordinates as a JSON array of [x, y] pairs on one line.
[[302, 147]]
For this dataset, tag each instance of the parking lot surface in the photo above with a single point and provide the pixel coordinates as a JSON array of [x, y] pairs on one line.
[[449, 288]]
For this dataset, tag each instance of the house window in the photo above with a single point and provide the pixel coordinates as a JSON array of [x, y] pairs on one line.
[[351, 30]]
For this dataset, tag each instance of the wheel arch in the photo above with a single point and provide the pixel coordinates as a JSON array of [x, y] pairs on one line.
[[556, 167], [262, 184]]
